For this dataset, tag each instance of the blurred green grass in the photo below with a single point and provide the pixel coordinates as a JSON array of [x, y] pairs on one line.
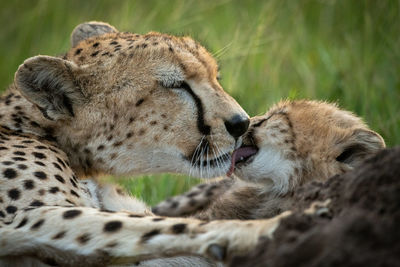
[[343, 51]]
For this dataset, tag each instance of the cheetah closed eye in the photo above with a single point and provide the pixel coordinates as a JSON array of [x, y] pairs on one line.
[[115, 103], [295, 142]]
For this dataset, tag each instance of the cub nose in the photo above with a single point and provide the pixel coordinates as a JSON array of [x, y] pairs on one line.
[[237, 125]]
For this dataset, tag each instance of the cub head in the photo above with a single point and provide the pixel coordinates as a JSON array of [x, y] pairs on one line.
[[129, 103], [300, 141]]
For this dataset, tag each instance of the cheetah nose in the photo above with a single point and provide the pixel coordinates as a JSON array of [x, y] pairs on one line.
[[237, 125]]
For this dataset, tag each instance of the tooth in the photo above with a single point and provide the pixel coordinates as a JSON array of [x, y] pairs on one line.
[[241, 158]]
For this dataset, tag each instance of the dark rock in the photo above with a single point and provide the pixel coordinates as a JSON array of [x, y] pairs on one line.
[[361, 229]]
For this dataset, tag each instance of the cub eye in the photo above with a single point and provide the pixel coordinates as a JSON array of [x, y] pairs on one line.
[[349, 153]]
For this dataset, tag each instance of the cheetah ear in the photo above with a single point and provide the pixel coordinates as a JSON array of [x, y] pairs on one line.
[[363, 143], [50, 83], [89, 29]]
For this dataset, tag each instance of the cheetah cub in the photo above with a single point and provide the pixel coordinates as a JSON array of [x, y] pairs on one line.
[[295, 142]]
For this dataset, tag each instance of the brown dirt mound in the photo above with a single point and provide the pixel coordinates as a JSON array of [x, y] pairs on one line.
[[362, 227]]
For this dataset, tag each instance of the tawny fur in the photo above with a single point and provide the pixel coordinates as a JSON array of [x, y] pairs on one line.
[[299, 142], [115, 103]]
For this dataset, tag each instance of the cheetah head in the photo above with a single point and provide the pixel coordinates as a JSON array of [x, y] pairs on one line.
[[300, 141], [127, 103]]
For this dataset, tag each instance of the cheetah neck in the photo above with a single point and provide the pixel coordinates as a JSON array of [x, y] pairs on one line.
[[20, 115], [23, 117]]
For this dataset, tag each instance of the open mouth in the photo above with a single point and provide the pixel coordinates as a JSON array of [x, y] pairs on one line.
[[242, 155]]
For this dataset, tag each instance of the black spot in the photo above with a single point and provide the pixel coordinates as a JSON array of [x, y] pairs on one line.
[[2, 214], [74, 193], [70, 214], [139, 102], [34, 124], [158, 219], [19, 153], [57, 166], [174, 204], [112, 226], [40, 147], [14, 194], [117, 144], [39, 155], [61, 162], [78, 51], [22, 223], [100, 147], [73, 182], [192, 194], [7, 163], [54, 189], [135, 216], [95, 54], [27, 142], [114, 43], [37, 203], [37, 224], [41, 175], [147, 236], [96, 44], [59, 178], [83, 239], [112, 245], [39, 163], [29, 184], [22, 166], [11, 209], [9, 173], [19, 159], [59, 235], [178, 228]]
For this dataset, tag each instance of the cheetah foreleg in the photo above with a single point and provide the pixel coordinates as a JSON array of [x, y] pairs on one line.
[[72, 236], [193, 201]]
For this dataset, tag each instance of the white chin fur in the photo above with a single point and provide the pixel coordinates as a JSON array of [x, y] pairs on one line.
[[269, 166]]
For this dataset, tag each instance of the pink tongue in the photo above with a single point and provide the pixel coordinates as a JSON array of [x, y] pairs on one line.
[[239, 153]]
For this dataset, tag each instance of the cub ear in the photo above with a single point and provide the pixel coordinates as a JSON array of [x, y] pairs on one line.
[[361, 145], [89, 29], [50, 83]]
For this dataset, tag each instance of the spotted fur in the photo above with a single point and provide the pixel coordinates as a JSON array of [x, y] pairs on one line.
[[115, 103], [298, 142]]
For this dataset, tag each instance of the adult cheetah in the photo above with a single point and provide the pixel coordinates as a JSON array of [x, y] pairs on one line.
[[115, 103], [294, 143]]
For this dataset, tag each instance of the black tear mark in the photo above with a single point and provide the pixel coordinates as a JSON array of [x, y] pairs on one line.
[[203, 128]]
